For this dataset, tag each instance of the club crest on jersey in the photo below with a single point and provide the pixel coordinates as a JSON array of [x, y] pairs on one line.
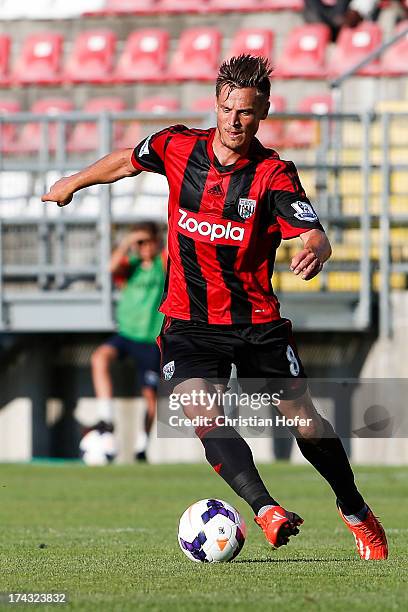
[[304, 211], [168, 370], [246, 208]]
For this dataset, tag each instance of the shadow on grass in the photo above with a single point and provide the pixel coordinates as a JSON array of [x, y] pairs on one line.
[[302, 560]]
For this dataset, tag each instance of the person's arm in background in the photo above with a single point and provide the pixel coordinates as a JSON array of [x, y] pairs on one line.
[[121, 252], [108, 169], [309, 261]]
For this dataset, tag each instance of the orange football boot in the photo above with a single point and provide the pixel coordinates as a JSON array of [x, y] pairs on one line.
[[369, 535], [279, 525]]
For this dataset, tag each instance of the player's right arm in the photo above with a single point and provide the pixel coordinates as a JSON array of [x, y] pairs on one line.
[[108, 169]]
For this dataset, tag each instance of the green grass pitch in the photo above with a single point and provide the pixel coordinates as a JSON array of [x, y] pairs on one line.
[[107, 537]]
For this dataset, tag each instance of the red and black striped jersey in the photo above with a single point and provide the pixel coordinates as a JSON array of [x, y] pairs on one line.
[[225, 224]]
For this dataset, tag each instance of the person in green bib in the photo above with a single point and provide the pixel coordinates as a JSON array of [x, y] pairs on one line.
[[139, 266]]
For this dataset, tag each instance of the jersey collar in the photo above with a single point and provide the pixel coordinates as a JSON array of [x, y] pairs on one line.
[[240, 163]]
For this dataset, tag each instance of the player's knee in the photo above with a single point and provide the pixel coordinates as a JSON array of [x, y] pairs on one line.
[[311, 429], [99, 358]]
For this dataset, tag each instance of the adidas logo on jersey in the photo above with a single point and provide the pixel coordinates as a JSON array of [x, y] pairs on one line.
[[222, 233], [216, 190]]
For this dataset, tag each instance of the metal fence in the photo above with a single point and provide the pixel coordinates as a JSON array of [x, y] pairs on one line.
[[53, 262]]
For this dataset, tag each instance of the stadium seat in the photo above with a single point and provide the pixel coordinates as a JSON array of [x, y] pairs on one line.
[[343, 281], [239, 6], [92, 57], [144, 57], [8, 131], [156, 105], [40, 60], [397, 281], [203, 105], [196, 58], [395, 58], [31, 136], [305, 132], [4, 60], [181, 6], [85, 135], [271, 131], [287, 281], [127, 7], [255, 41], [353, 45], [131, 136], [283, 5], [304, 54]]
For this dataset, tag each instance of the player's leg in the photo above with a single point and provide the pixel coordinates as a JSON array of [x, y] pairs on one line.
[[321, 446], [273, 354], [201, 361], [148, 361], [101, 361], [225, 450], [142, 439]]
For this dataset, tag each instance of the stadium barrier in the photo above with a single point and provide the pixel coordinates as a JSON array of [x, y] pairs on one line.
[[53, 262]]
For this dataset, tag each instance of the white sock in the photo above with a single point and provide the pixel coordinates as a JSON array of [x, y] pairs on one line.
[[141, 442], [105, 409], [264, 509]]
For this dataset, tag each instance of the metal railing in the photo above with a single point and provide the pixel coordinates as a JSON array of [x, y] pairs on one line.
[[60, 280]]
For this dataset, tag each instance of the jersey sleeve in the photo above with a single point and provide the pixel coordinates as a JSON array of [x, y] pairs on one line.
[[150, 153], [290, 205]]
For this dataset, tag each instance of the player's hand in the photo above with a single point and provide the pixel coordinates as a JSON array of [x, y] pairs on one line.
[[306, 264], [61, 192]]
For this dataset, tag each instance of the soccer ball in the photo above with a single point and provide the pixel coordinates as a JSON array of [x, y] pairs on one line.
[[211, 531], [97, 448]]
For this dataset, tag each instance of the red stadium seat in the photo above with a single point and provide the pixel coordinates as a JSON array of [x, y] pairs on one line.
[[283, 5], [40, 60], [85, 135], [304, 53], [305, 132], [92, 57], [130, 137], [255, 41], [144, 57], [4, 60], [239, 6], [8, 131], [158, 105], [204, 105], [395, 58], [30, 139], [127, 7], [196, 58], [353, 45], [181, 6], [271, 131], [253, 6]]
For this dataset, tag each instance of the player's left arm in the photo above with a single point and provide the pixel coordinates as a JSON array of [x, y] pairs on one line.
[[309, 261]]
